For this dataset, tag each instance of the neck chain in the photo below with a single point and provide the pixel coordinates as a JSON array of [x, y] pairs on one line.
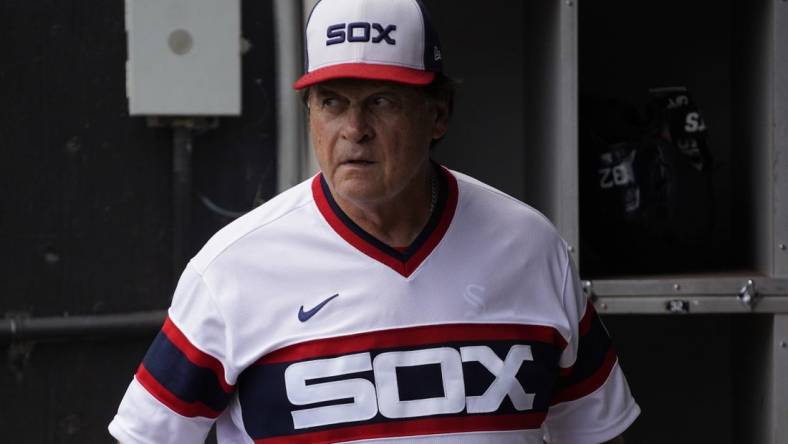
[[434, 186]]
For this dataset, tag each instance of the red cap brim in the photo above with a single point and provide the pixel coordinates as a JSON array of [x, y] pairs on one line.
[[368, 71]]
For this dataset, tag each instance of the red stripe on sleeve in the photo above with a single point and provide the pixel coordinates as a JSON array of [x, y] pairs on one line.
[[590, 384], [195, 355], [177, 405]]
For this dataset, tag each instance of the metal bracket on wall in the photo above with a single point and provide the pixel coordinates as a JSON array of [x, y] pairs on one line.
[[748, 295], [677, 306], [19, 352]]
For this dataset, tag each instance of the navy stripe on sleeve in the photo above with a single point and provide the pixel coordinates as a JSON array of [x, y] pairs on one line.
[[595, 359], [186, 380]]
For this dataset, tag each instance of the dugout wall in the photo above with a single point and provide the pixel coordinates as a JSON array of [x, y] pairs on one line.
[[89, 199], [701, 331]]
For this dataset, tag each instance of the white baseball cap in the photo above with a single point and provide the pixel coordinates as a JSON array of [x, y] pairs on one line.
[[390, 40]]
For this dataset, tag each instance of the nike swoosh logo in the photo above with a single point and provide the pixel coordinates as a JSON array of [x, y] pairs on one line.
[[304, 316]]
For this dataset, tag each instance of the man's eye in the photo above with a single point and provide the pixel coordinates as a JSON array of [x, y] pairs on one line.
[[382, 102], [329, 102]]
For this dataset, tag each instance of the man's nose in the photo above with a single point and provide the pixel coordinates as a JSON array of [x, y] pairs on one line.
[[356, 127]]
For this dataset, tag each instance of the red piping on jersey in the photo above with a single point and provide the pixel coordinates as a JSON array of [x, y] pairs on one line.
[[195, 355], [593, 382], [406, 267], [413, 336], [189, 409], [413, 427]]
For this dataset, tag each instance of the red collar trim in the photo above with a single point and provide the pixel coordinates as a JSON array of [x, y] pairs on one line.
[[404, 263]]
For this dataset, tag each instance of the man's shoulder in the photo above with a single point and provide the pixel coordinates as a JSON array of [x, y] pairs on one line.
[[265, 218], [500, 208]]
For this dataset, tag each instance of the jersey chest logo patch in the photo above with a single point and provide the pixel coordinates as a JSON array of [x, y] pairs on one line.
[[423, 380]]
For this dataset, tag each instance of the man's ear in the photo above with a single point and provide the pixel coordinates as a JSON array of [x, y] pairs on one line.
[[440, 125]]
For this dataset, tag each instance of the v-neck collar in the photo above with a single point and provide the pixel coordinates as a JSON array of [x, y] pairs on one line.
[[406, 261]]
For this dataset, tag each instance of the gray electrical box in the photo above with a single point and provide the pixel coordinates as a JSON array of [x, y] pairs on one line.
[[184, 57]]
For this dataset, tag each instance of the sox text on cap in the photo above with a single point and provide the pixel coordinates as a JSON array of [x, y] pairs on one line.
[[390, 40]]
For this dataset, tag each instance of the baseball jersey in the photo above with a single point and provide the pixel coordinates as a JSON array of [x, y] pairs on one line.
[[293, 325]]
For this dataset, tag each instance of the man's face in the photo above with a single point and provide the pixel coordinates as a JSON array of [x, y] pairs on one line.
[[372, 138]]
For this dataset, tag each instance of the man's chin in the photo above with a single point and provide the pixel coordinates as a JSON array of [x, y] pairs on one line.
[[358, 194], [358, 190], [356, 170]]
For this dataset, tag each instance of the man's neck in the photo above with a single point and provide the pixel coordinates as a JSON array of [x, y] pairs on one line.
[[396, 222]]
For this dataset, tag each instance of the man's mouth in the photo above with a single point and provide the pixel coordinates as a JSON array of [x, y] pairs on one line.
[[359, 162]]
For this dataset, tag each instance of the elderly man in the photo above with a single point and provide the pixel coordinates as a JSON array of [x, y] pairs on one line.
[[387, 297]]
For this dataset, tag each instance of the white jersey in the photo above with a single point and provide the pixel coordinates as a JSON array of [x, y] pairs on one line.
[[293, 325]]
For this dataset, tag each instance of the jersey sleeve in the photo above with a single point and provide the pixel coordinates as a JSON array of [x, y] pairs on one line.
[[592, 402], [181, 386]]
